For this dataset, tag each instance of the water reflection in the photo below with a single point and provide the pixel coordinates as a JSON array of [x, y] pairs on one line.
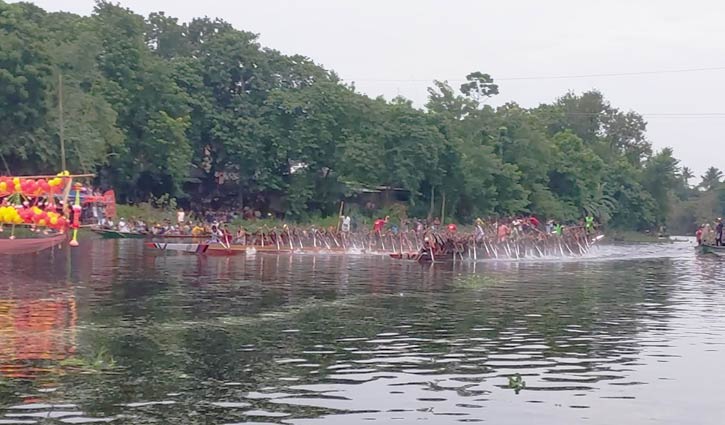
[[34, 332], [616, 337]]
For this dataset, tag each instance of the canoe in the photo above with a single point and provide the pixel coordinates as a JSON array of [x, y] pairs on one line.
[[114, 234], [404, 255], [711, 249], [415, 256], [162, 236], [191, 248], [198, 248]]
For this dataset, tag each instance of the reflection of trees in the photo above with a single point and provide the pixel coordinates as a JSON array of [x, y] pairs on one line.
[[189, 326]]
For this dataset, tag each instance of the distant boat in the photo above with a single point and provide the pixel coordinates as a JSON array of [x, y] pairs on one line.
[[115, 234]]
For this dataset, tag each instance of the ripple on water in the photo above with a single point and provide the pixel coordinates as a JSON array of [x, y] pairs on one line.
[[309, 338]]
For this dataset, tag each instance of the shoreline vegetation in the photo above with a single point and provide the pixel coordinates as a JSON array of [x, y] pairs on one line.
[[202, 114]]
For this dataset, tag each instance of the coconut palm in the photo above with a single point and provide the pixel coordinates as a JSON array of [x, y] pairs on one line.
[[711, 179], [687, 174]]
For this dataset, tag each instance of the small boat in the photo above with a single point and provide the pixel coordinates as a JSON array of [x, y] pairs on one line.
[[166, 236], [711, 249], [404, 255], [198, 248], [115, 234], [419, 257]]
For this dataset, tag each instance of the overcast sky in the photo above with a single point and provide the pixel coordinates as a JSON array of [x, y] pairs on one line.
[[397, 47]]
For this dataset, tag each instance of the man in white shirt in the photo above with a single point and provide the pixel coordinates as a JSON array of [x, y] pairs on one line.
[[346, 224]]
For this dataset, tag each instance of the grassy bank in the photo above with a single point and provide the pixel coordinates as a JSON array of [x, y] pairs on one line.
[[146, 212], [630, 236]]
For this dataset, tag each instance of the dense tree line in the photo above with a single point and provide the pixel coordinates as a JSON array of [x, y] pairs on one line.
[[202, 112]]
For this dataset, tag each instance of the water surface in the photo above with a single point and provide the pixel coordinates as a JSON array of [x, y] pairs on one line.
[[109, 333]]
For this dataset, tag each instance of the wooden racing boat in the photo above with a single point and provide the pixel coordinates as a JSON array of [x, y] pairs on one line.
[[198, 248], [165, 236], [412, 256]]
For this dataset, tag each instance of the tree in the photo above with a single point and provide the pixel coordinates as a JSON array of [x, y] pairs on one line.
[[201, 109], [660, 178], [687, 175], [711, 179], [479, 87], [25, 73]]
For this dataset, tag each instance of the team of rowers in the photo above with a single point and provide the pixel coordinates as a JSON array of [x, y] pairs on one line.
[[384, 234]]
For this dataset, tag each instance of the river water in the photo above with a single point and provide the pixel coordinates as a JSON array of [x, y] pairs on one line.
[[108, 333]]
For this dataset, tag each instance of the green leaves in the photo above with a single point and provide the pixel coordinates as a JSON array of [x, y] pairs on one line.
[[25, 72], [151, 102]]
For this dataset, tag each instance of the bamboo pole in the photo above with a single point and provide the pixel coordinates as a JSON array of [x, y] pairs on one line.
[[339, 216], [61, 126]]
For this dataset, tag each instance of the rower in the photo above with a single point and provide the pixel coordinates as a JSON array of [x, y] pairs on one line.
[[346, 224], [216, 234], [503, 232], [589, 223]]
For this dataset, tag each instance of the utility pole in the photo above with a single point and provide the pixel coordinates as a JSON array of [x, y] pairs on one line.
[[61, 129]]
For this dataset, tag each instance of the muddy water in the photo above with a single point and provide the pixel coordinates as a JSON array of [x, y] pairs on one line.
[[109, 333]]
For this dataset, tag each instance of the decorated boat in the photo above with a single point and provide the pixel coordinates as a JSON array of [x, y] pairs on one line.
[[36, 220], [20, 246]]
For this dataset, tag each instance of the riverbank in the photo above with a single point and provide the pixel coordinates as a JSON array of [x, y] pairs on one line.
[[629, 236]]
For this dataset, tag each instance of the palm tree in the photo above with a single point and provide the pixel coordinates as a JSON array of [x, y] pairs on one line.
[[601, 205], [687, 174], [711, 179]]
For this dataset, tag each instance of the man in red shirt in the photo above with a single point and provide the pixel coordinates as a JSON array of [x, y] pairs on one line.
[[503, 232], [452, 228], [379, 225], [534, 222]]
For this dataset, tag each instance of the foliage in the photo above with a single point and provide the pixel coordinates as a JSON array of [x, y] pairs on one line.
[[200, 112], [711, 179], [102, 361], [146, 212], [517, 383]]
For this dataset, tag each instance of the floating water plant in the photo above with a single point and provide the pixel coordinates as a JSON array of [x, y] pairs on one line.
[[516, 383], [101, 361]]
